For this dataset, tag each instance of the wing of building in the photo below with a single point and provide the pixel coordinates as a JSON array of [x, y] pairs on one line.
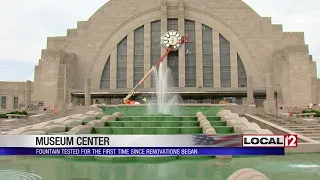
[[233, 54]]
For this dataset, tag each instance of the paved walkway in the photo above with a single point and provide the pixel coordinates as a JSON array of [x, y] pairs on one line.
[[295, 125], [12, 124]]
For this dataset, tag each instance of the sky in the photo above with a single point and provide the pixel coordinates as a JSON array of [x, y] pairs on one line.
[[25, 26]]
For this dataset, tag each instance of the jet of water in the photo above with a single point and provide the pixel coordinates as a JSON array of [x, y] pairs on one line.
[[165, 102]]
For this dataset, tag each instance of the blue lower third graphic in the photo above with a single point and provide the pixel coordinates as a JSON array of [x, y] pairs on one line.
[[145, 151]]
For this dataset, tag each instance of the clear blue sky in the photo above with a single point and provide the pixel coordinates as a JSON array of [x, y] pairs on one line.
[[25, 25]]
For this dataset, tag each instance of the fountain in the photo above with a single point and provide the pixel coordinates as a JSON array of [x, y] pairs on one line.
[[164, 102]]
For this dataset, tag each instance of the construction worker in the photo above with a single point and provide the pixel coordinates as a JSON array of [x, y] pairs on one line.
[[144, 99], [182, 39]]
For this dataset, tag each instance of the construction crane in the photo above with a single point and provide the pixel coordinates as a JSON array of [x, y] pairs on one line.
[[171, 42]]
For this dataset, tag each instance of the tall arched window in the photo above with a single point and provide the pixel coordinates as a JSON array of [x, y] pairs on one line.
[[138, 62], [105, 79], [122, 64], [155, 46], [225, 70], [173, 57], [190, 54], [207, 56], [242, 75]]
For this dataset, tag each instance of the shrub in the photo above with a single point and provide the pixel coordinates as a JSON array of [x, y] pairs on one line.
[[312, 111], [14, 112], [3, 116], [305, 111], [18, 112]]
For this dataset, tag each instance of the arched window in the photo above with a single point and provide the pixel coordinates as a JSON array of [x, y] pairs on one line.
[[155, 46], [242, 75], [173, 57], [207, 56], [225, 70], [105, 79], [190, 54], [122, 64], [138, 62]]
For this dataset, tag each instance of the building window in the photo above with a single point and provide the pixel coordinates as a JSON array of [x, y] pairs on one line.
[[207, 56], [15, 102], [172, 24], [3, 101], [122, 64], [242, 75], [138, 62], [173, 57], [225, 70], [155, 47], [190, 54], [105, 79]]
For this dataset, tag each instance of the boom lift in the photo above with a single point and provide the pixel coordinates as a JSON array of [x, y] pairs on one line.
[[172, 47]]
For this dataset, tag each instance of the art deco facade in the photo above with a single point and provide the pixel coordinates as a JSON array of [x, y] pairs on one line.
[[232, 51]]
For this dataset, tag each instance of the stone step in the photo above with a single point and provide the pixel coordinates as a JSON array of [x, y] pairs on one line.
[[283, 122], [288, 123], [306, 132], [301, 127], [314, 137], [310, 134], [309, 129]]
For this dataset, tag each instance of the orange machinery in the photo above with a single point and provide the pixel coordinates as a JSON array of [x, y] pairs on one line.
[[127, 100]]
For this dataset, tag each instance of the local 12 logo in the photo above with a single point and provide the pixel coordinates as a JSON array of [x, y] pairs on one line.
[[290, 140], [287, 140]]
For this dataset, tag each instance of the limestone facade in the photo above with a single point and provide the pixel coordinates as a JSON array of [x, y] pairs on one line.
[[13, 95], [92, 58]]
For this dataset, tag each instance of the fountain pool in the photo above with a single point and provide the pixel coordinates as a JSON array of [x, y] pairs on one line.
[[292, 166]]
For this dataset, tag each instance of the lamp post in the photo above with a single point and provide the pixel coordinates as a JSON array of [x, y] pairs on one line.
[[276, 94], [70, 94]]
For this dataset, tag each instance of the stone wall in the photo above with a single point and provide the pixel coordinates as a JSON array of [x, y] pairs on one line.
[[11, 90], [54, 78]]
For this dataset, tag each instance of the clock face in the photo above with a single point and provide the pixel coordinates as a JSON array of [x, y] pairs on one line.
[[171, 39]]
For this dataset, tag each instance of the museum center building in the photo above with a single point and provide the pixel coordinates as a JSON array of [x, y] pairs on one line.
[[233, 54]]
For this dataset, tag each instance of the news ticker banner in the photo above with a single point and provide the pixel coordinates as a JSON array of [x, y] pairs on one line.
[[143, 145], [143, 151], [69, 141]]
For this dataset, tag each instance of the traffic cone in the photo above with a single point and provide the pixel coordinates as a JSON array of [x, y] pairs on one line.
[[55, 110], [290, 111]]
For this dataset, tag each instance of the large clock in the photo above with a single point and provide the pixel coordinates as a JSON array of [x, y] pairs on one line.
[[171, 39]]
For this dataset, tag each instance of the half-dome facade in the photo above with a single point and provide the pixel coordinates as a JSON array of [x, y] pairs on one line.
[[232, 53]]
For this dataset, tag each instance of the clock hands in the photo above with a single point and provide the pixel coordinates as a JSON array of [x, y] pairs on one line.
[[172, 40]]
